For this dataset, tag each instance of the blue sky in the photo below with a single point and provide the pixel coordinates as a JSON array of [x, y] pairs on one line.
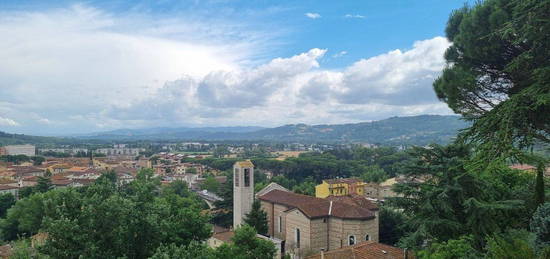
[[72, 67]]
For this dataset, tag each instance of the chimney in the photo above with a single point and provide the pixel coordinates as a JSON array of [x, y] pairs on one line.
[[405, 255], [322, 253]]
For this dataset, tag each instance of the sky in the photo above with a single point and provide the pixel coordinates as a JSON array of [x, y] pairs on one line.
[[70, 67]]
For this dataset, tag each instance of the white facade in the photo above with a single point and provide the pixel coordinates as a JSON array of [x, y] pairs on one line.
[[28, 150], [243, 191], [119, 151]]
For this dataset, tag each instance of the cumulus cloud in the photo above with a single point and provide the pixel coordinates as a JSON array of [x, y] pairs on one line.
[[313, 15], [8, 122], [79, 60], [297, 89], [82, 69]]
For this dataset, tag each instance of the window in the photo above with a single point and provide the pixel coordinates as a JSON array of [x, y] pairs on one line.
[[351, 240], [246, 177], [236, 178], [367, 238], [280, 224], [297, 237]]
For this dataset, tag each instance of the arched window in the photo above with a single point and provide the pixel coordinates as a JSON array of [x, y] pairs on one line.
[[351, 240], [367, 238]]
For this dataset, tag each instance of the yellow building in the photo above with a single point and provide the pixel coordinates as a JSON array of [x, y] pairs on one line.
[[339, 187]]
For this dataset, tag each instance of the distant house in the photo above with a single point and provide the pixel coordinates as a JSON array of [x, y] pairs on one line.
[[342, 186]]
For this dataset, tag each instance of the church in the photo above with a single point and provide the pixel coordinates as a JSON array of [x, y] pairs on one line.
[[305, 224]]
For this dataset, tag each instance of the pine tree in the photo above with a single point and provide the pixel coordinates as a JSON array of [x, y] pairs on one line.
[[257, 218]]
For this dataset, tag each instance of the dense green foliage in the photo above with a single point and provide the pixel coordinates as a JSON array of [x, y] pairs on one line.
[[452, 201], [499, 77], [7, 200], [245, 245], [106, 220], [499, 71]]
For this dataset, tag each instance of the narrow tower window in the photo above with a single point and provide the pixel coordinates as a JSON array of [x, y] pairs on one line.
[[297, 238], [236, 178], [246, 177]]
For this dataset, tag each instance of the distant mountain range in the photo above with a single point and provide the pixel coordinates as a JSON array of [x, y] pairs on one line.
[[414, 130]]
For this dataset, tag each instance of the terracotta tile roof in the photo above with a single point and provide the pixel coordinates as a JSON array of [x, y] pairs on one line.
[[77, 169], [61, 182], [314, 207], [344, 180], [5, 251], [366, 250], [354, 199]]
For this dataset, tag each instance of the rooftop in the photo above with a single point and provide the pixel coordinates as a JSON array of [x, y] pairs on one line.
[[314, 207], [365, 250], [344, 180]]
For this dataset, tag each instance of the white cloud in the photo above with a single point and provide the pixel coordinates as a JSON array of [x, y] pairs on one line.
[[313, 15], [296, 89], [82, 69], [357, 16], [8, 122], [81, 60], [340, 54]]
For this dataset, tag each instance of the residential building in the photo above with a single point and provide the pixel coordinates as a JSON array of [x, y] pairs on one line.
[[339, 186], [27, 150]]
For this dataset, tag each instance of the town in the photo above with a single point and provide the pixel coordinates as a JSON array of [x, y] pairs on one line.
[[275, 129]]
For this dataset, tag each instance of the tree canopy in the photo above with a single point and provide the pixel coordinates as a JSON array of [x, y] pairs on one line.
[[498, 72]]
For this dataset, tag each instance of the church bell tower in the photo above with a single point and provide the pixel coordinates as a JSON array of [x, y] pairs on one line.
[[243, 191]]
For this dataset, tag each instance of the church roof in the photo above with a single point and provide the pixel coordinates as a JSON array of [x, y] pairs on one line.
[[314, 207], [271, 187], [365, 250]]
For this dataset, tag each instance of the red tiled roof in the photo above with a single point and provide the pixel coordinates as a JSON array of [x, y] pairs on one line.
[[366, 250], [354, 199], [314, 207]]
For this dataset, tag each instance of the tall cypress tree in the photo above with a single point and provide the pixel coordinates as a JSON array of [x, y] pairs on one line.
[[257, 218]]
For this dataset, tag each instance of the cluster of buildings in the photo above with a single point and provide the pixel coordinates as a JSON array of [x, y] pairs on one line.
[[354, 186], [27, 150], [81, 171], [341, 224]]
